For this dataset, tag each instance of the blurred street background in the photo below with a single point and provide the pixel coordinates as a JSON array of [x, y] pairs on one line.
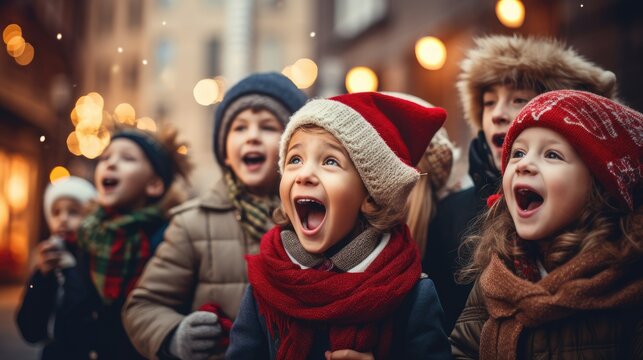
[[73, 67]]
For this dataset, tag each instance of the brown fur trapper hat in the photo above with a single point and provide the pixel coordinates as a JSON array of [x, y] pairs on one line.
[[534, 63]]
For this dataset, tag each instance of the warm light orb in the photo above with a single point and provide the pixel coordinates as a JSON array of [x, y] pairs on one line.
[[90, 146], [511, 13], [183, 150], [57, 173], [205, 92], [361, 78], [303, 73], [431, 53], [27, 55], [146, 123], [10, 31], [125, 114], [72, 144], [16, 46]]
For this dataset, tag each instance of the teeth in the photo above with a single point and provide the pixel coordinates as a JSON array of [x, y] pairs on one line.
[[308, 201]]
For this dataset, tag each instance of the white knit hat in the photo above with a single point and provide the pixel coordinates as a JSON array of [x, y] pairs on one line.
[[70, 187], [384, 136]]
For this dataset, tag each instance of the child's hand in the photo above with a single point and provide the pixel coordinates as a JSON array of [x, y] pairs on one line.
[[348, 355], [48, 256]]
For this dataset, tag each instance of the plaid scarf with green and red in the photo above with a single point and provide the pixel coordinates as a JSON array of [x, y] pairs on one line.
[[117, 247]]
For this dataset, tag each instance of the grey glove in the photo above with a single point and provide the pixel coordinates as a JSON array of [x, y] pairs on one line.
[[196, 336]]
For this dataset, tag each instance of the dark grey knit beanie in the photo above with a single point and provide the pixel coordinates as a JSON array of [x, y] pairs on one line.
[[272, 91]]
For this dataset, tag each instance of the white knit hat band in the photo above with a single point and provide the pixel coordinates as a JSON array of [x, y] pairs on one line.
[[72, 187], [385, 176]]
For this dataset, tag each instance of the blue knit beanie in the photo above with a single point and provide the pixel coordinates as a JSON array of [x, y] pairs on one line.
[[272, 90]]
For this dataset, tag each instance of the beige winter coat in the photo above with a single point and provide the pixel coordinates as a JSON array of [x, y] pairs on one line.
[[201, 260]]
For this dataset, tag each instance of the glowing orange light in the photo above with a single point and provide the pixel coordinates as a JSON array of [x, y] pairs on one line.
[[57, 173], [431, 53], [361, 78], [511, 13]]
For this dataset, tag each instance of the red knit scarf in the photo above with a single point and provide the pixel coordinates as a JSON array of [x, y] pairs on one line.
[[356, 308], [589, 281]]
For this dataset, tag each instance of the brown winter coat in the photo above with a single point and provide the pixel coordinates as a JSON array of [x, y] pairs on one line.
[[586, 308], [201, 260]]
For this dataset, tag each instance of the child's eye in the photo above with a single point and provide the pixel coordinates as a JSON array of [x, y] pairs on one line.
[[488, 103], [521, 100], [331, 162], [517, 153], [238, 128], [271, 128], [294, 160], [553, 155]]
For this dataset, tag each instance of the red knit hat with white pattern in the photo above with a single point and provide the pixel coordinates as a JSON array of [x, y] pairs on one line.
[[384, 136], [608, 137]]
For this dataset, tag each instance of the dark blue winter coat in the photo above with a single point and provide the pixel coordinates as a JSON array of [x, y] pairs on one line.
[[417, 332]]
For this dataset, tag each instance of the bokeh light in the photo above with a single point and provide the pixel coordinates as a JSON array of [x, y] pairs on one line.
[[303, 73], [146, 123], [205, 92], [72, 144], [125, 114], [511, 13], [57, 173], [27, 55], [430, 52], [361, 78], [10, 31]]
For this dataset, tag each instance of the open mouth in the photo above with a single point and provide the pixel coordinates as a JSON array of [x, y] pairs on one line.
[[253, 159], [498, 139], [109, 183], [311, 213], [528, 199]]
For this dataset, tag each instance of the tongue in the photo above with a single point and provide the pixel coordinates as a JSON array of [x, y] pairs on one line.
[[533, 205], [315, 219]]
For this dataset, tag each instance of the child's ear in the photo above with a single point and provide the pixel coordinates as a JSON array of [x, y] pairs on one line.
[[368, 205], [155, 187]]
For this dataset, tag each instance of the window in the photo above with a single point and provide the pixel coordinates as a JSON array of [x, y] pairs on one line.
[[135, 14], [213, 58], [352, 17], [105, 16], [270, 55], [164, 55]]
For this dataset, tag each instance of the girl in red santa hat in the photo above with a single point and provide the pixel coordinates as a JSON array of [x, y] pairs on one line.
[[558, 259], [340, 276]]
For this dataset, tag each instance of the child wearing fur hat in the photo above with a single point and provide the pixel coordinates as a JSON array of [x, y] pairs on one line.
[[499, 76], [559, 256], [65, 205], [190, 292], [340, 276], [134, 175]]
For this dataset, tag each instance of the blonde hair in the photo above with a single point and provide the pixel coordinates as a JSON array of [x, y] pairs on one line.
[[601, 224], [435, 169], [383, 218]]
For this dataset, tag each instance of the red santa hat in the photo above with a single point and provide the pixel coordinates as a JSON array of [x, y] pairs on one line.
[[385, 137], [607, 135]]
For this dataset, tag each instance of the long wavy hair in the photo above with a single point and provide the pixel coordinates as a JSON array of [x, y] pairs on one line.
[[602, 224]]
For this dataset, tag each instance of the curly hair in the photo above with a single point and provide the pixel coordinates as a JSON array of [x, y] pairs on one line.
[[383, 218], [603, 223]]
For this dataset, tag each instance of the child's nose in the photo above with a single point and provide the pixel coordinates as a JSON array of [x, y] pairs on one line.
[[306, 176], [253, 134], [500, 114], [526, 166]]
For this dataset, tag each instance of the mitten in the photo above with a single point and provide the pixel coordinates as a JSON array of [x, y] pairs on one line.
[[196, 336]]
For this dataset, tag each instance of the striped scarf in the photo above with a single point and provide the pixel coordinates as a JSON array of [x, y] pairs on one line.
[[117, 247], [254, 211]]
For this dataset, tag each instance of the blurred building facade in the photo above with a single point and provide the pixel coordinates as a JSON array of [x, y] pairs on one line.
[[151, 54], [381, 34], [35, 99]]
